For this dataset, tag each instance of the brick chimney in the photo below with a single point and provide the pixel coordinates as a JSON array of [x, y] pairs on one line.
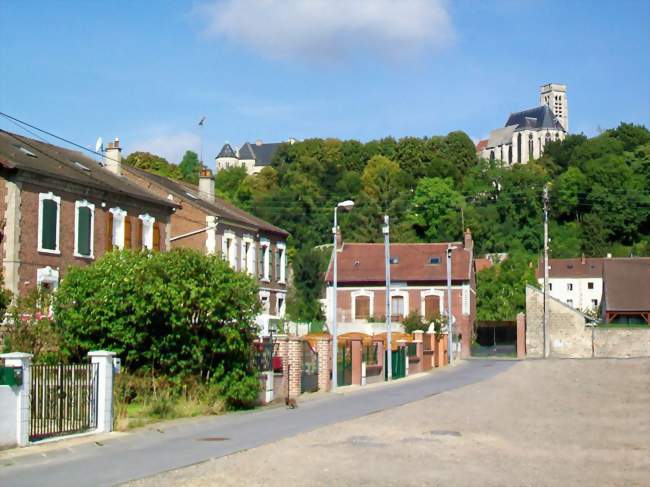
[[468, 243], [206, 184], [583, 260], [113, 157]]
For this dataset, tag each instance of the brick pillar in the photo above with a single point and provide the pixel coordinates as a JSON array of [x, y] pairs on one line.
[[356, 362], [295, 365], [324, 349], [380, 352], [521, 336], [282, 344]]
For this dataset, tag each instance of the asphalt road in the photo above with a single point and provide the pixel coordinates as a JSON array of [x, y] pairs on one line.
[[150, 451]]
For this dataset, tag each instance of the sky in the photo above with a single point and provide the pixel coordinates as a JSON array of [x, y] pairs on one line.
[[271, 70]]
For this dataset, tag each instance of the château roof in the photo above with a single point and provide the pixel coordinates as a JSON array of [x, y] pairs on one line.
[[261, 153], [227, 151]]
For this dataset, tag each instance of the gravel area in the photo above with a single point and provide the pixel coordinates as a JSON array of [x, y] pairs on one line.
[[552, 422]]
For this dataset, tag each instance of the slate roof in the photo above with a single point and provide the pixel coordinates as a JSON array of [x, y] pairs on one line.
[[261, 153], [227, 151], [540, 117], [627, 284], [364, 263], [189, 194], [30, 155], [572, 268], [501, 136]]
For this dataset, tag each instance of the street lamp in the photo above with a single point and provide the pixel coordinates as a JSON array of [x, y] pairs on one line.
[[346, 205], [450, 316]]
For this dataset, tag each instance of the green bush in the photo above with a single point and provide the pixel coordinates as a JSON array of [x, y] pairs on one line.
[[414, 322], [239, 390], [178, 314]]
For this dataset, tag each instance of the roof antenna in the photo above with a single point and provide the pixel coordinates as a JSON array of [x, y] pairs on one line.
[[99, 148]]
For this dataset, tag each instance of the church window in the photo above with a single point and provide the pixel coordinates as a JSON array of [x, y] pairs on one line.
[[519, 148], [492, 155], [530, 147], [510, 154], [548, 137]]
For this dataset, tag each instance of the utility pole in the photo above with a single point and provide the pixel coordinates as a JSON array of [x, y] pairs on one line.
[[450, 317], [389, 349], [546, 290]]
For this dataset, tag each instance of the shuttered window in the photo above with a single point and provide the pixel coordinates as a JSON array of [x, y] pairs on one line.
[[109, 231], [128, 234], [84, 221], [138, 235], [260, 262], [361, 307], [156, 236], [431, 307], [278, 261], [50, 212]]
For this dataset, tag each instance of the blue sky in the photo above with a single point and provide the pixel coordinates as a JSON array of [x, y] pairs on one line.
[[147, 71]]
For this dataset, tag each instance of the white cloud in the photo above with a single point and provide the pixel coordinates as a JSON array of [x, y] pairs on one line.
[[170, 146], [330, 30]]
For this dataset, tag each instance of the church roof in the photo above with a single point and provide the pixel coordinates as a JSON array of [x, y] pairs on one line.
[[501, 136], [262, 154], [227, 151], [540, 117]]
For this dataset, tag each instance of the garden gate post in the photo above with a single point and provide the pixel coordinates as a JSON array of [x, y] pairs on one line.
[[104, 361], [23, 405], [324, 350], [357, 356]]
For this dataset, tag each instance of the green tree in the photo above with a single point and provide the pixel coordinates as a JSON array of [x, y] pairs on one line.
[[228, 182], [178, 313], [190, 167], [435, 210], [382, 181], [153, 164]]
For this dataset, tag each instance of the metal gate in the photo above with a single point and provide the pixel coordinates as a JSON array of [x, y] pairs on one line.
[[63, 400], [344, 364], [398, 363], [309, 375]]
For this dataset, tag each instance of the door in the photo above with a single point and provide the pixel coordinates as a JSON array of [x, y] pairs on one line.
[[431, 307]]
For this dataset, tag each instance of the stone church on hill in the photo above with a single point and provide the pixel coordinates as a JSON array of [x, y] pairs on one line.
[[527, 132]]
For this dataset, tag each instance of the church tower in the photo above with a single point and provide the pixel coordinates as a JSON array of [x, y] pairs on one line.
[[554, 95]]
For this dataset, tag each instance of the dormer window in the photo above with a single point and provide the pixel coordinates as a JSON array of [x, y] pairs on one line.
[[394, 260], [434, 260]]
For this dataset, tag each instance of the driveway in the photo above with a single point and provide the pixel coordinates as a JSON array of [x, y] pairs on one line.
[[540, 423], [151, 451]]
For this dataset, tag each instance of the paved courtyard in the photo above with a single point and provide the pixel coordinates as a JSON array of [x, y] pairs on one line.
[[554, 422]]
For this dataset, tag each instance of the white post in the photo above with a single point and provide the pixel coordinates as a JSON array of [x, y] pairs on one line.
[[23, 405], [268, 390], [406, 363], [363, 373], [104, 361]]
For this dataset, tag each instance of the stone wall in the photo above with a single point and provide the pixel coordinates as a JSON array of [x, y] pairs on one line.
[[574, 335], [622, 342]]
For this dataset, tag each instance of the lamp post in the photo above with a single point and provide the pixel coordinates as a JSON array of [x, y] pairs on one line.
[[450, 316], [389, 348], [344, 205]]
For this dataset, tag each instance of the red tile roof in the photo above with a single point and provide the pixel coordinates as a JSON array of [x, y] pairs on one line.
[[365, 263], [482, 263], [627, 284], [482, 144], [572, 268]]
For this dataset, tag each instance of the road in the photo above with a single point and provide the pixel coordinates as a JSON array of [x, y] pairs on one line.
[[150, 451]]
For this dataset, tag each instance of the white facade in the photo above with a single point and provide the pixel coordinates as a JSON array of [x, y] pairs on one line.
[[581, 293], [554, 95]]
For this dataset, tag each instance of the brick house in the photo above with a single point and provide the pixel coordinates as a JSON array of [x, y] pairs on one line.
[[626, 291], [418, 285], [207, 223], [59, 208]]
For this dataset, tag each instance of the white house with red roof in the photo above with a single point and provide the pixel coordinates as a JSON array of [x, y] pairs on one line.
[[577, 282]]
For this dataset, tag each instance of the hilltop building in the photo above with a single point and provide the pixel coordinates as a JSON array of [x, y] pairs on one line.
[[254, 157], [525, 133]]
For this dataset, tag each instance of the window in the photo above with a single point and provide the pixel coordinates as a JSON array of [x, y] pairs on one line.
[[361, 307], [260, 262], [569, 287], [594, 303], [84, 231], [397, 307], [277, 264], [47, 278], [519, 147], [530, 147], [265, 260], [48, 223], [434, 260], [282, 263], [510, 154], [280, 310], [146, 231], [431, 307], [492, 155], [550, 286], [590, 285], [569, 302]]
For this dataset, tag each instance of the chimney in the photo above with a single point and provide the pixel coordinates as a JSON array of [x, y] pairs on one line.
[[206, 184], [113, 157], [583, 261], [468, 242], [258, 142]]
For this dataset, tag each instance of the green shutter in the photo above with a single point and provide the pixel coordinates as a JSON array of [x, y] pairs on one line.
[[48, 232], [83, 231]]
